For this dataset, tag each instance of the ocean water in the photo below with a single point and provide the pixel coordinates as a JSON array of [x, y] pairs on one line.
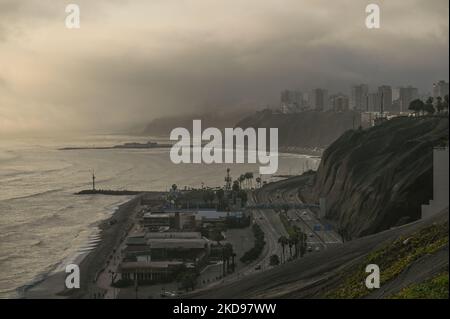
[[43, 225]]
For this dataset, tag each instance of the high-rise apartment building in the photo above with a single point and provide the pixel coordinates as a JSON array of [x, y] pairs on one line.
[[359, 97], [292, 100], [339, 102], [385, 98], [318, 100]]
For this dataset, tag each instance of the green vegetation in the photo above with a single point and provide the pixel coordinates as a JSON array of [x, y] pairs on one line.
[[435, 288], [291, 229], [430, 106], [188, 279], [254, 252], [218, 198], [392, 260], [296, 239], [274, 260]]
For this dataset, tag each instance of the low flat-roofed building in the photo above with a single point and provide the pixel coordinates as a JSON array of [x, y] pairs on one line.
[[166, 246], [177, 243], [136, 239], [154, 221], [185, 220], [134, 252], [149, 271], [178, 235], [178, 248]]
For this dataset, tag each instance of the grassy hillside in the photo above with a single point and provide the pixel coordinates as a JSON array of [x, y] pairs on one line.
[[393, 259]]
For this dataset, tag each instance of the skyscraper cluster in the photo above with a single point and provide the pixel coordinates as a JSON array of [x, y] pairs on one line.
[[384, 99]]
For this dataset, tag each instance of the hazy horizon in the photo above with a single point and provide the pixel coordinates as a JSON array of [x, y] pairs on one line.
[[135, 61]]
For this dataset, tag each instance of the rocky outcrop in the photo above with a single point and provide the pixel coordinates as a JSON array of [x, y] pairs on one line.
[[377, 178], [220, 119]]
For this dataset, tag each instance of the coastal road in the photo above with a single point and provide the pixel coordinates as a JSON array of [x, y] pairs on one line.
[[318, 233], [272, 227], [270, 222]]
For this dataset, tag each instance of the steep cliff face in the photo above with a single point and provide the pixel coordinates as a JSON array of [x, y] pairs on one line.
[[377, 178], [306, 129], [163, 126]]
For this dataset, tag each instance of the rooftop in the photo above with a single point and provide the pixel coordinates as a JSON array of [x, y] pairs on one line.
[[149, 265], [158, 215], [178, 235], [174, 243]]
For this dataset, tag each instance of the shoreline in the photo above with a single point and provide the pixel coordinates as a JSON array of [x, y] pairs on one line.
[[91, 263], [312, 152]]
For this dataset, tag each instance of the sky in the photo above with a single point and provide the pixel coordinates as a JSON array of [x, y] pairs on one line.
[[134, 60]]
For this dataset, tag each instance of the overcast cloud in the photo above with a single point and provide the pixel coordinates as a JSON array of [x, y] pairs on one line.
[[132, 61]]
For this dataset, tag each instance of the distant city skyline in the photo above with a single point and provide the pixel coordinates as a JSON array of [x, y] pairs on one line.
[[359, 97]]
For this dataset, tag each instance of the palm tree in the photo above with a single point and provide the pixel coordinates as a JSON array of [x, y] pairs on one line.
[[291, 244], [295, 240], [250, 177], [246, 180], [445, 103], [439, 104], [233, 264], [241, 179], [283, 241], [429, 107], [302, 240], [228, 252], [258, 182]]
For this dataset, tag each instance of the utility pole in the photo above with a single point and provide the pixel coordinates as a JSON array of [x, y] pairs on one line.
[[228, 180], [93, 180]]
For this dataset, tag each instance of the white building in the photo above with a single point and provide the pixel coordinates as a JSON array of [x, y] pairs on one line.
[[440, 183]]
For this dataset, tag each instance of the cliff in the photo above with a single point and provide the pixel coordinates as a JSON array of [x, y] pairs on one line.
[[377, 178], [220, 119], [308, 129]]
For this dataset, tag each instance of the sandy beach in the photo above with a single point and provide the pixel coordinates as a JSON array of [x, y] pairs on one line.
[[113, 231]]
